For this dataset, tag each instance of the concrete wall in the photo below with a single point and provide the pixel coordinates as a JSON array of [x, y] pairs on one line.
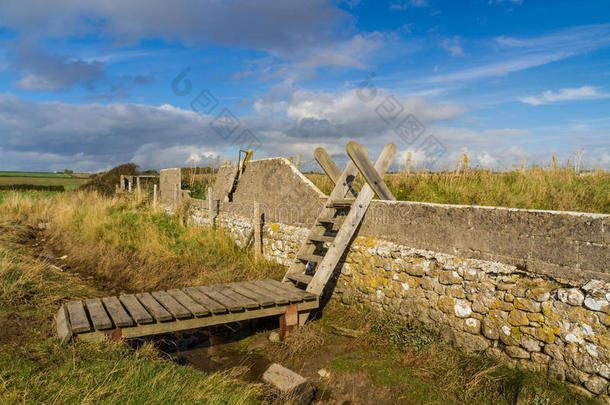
[[169, 186]]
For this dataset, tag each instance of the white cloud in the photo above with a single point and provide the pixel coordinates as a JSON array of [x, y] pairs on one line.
[[405, 4], [568, 94], [452, 45], [506, 132]]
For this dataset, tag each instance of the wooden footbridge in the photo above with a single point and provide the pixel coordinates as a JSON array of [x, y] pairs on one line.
[[293, 299]]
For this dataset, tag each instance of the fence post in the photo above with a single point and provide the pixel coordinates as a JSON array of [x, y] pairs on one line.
[[554, 162], [155, 196], [298, 164], [257, 230], [210, 206], [408, 165], [138, 184]]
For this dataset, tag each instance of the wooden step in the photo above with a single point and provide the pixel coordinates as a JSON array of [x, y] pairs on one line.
[[310, 258], [321, 238], [344, 202], [335, 220], [300, 278]]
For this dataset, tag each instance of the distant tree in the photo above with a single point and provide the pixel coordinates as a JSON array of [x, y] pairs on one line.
[[68, 171]]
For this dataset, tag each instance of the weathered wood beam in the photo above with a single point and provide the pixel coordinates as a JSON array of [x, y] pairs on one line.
[[359, 156]]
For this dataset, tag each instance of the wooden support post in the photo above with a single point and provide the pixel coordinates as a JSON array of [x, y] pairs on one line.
[[155, 196], [289, 321], [554, 162], [256, 223], [129, 183], [465, 163], [358, 155], [211, 205], [408, 165], [298, 163], [138, 184], [523, 164], [327, 164]]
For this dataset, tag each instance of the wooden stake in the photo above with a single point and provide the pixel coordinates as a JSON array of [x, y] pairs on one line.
[[408, 165], [554, 162], [138, 184], [465, 163], [155, 196], [298, 164], [256, 223], [523, 164], [210, 206]]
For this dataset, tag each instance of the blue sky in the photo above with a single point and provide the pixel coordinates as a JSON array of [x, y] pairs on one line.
[[90, 84]]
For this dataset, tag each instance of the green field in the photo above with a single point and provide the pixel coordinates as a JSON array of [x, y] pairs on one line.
[[44, 179], [33, 174]]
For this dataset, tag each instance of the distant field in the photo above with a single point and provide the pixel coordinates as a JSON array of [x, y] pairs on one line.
[[69, 183], [33, 174]]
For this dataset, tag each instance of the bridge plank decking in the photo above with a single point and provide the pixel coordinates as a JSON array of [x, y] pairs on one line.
[[145, 314]]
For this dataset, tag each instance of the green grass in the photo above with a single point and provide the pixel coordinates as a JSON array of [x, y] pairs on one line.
[[420, 367], [33, 174], [34, 368], [26, 194], [70, 183], [537, 188]]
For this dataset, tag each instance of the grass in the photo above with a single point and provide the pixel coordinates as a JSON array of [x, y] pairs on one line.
[[70, 183], [26, 194], [35, 369], [537, 188], [33, 174], [417, 366]]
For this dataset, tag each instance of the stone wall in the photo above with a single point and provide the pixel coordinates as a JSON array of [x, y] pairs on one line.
[[521, 318], [530, 287]]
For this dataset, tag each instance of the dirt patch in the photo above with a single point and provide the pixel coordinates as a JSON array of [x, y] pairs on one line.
[[14, 328]]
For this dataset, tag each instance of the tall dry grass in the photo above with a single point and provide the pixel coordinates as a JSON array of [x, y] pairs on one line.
[[537, 188], [126, 245]]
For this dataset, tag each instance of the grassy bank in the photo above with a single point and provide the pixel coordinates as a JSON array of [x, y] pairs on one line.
[[35, 369], [127, 246], [548, 189]]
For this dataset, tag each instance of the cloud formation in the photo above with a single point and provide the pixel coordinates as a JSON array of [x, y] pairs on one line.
[[569, 94]]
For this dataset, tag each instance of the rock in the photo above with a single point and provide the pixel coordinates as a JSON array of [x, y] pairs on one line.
[[289, 384], [596, 385], [596, 304], [518, 318], [324, 373], [472, 343], [472, 325], [526, 304], [489, 331], [341, 331], [538, 294], [462, 309], [571, 296], [557, 370], [274, 337], [531, 345], [516, 352], [604, 371], [449, 277]]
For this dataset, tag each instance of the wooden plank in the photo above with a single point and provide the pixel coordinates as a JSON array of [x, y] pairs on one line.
[[173, 306], [136, 310], [247, 291], [189, 303], [325, 269], [292, 297], [321, 238], [316, 258], [242, 300], [341, 203], [278, 299], [62, 323], [98, 314], [358, 155], [78, 317], [119, 316], [194, 323], [227, 302], [154, 308], [292, 289], [327, 164], [213, 306], [300, 278], [334, 220]]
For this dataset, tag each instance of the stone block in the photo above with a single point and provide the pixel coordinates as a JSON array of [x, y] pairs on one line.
[[289, 385], [516, 352]]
